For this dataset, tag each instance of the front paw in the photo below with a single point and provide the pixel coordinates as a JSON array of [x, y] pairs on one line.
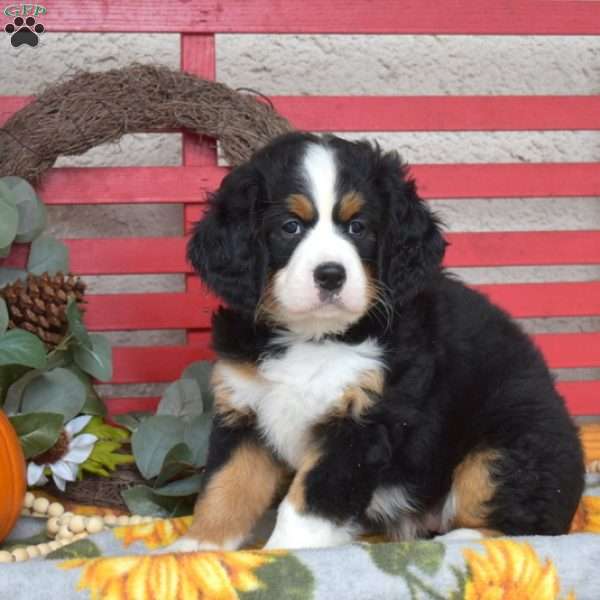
[[188, 543]]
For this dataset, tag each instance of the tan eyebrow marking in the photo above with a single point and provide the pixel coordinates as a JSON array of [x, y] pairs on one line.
[[301, 206], [350, 205]]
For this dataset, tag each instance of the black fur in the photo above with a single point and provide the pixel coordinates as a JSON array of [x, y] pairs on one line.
[[461, 375]]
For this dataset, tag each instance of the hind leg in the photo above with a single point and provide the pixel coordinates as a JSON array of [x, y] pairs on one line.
[[531, 488]]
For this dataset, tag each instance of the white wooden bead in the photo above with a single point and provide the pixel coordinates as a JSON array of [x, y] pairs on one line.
[[94, 524], [80, 536], [54, 545], [66, 517], [53, 525], [40, 505], [64, 533], [147, 519], [20, 554], [29, 498], [44, 549], [123, 520], [135, 520], [110, 520], [32, 551], [76, 524], [55, 509], [5, 556]]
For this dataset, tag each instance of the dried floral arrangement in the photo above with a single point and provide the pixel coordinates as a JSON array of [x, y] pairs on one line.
[[148, 463]]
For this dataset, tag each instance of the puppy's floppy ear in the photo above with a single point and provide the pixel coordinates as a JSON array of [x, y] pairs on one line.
[[412, 246], [226, 247]]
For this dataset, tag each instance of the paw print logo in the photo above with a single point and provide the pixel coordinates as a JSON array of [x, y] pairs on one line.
[[24, 31]]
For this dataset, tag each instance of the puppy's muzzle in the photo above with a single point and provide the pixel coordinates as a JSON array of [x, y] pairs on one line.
[[330, 276]]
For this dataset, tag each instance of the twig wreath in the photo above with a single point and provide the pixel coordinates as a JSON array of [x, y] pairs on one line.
[[41, 331], [95, 108]]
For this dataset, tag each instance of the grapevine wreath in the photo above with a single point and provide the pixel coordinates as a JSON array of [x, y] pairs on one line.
[[69, 118]]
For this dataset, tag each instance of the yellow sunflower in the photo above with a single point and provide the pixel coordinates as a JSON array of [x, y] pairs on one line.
[[510, 571], [210, 575], [587, 517], [155, 534]]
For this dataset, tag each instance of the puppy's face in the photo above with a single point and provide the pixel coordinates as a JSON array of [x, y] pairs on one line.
[[311, 230], [321, 239]]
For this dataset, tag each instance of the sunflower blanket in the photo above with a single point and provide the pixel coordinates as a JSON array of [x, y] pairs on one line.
[[131, 563], [127, 564]]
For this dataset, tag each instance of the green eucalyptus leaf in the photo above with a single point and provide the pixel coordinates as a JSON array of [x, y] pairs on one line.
[[19, 347], [177, 460], [196, 435], [3, 316], [8, 275], [32, 212], [76, 327], [57, 391], [181, 487], [93, 404], [48, 255], [152, 441], [97, 360], [141, 500], [14, 395], [78, 549], [201, 371], [182, 398], [131, 420], [37, 431], [8, 375], [9, 216]]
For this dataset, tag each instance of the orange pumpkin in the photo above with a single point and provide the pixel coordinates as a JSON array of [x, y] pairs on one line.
[[12, 477]]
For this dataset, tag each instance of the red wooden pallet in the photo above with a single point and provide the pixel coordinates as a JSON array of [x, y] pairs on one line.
[[198, 22]]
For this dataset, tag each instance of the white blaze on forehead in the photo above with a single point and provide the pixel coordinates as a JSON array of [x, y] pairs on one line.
[[321, 174], [294, 285]]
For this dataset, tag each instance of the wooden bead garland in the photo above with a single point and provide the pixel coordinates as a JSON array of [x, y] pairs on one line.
[[65, 527]]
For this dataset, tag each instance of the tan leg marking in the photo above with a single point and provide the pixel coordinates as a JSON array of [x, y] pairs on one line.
[[236, 496], [350, 205], [301, 206], [356, 399], [297, 492], [231, 415], [473, 487]]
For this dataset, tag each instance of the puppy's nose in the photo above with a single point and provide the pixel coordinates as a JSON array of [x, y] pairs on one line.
[[330, 276]]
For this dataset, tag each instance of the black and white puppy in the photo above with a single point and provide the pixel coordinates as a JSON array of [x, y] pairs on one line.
[[357, 378]]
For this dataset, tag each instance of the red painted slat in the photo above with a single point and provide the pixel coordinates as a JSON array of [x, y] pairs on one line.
[[129, 185], [156, 364], [546, 299], [515, 248], [440, 113], [119, 256], [192, 310], [508, 180], [165, 363], [582, 397], [398, 113], [335, 16], [132, 185], [119, 406], [570, 350]]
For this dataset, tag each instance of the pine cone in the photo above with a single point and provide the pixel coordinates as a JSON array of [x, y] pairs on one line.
[[39, 304]]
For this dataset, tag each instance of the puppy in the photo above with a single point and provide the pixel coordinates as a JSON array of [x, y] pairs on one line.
[[358, 378]]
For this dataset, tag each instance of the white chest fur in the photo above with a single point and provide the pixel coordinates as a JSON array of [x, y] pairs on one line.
[[293, 391]]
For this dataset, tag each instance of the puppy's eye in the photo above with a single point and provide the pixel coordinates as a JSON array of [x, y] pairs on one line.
[[292, 227], [357, 228]]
